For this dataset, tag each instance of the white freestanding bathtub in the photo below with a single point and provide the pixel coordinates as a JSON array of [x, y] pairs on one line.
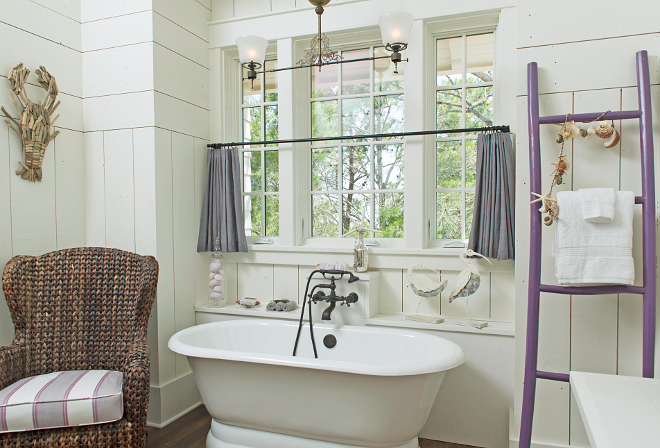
[[375, 388]]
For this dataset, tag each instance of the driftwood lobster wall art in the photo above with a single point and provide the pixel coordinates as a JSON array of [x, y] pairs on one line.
[[34, 124]]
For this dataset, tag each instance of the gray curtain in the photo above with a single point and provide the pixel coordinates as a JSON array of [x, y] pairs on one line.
[[222, 214], [493, 232]]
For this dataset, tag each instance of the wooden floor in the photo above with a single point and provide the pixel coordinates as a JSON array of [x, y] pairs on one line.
[[190, 432]]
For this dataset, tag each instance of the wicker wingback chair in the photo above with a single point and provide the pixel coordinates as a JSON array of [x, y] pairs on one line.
[[79, 309]]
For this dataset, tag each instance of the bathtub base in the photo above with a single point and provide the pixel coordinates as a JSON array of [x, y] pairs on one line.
[[227, 436]]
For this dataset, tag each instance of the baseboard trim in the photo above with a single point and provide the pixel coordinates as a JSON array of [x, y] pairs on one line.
[[176, 417], [169, 401]]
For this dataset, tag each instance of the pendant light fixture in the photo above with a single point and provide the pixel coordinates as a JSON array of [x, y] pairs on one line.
[[395, 31]]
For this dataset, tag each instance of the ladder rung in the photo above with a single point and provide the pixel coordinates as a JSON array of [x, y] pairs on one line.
[[592, 290], [616, 115], [552, 376]]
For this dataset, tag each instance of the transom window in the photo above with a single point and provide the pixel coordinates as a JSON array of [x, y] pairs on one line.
[[358, 179], [464, 99], [260, 164]]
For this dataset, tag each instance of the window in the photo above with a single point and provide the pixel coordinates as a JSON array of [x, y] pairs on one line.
[[357, 180], [464, 99], [260, 164]]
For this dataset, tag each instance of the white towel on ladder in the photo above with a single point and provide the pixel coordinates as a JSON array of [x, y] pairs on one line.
[[594, 253]]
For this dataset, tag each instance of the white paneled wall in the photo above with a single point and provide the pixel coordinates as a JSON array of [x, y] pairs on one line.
[[275, 281], [40, 217], [147, 123], [589, 333]]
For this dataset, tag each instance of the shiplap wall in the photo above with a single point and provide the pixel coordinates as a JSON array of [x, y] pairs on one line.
[[229, 9], [576, 74], [44, 216], [145, 89], [493, 300]]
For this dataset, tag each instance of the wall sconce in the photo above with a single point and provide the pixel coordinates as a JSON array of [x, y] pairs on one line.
[[395, 31], [251, 52]]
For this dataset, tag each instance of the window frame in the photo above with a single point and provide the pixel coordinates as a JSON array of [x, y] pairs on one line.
[[432, 182], [340, 146], [240, 107]]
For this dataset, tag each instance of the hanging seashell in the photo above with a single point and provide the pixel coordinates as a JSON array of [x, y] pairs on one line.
[[613, 140], [559, 180], [591, 131], [547, 221], [570, 130], [605, 129], [560, 139], [584, 133]]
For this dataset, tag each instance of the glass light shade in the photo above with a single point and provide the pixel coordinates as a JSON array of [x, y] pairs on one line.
[[395, 27], [251, 49]]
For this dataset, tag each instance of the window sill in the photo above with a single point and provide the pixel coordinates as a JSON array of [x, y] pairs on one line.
[[494, 328], [434, 251]]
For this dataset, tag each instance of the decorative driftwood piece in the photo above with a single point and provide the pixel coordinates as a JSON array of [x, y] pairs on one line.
[[34, 124]]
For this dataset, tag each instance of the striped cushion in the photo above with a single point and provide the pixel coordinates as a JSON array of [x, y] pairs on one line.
[[61, 399]]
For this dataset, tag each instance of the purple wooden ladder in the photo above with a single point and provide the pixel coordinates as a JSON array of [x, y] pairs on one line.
[[647, 200]]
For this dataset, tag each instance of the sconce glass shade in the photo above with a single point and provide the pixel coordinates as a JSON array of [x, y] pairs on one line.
[[395, 27], [251, 49]]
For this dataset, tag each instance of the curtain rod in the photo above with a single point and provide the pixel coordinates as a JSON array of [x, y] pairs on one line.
[[356, 137]]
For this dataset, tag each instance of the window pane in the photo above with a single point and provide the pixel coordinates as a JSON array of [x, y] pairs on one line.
[[388, 111], [384, 76], [325, 211], [356, 168], [449, 61], [272, 130], [389, 215], [273, 215], [355, 116], [449, 215], [252, 211], [324, 82], [355, 75], [272, 160], [354, 207], [251, 91], [251, 171], [479, 107], [449, 109], [469, 213], [271, 81], [252, 124], [325, 169], [470, 163], [480, 58], [324, 119], [449, 164], [388, 166]]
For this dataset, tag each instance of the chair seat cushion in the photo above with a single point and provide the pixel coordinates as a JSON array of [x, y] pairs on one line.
[[62, 399]]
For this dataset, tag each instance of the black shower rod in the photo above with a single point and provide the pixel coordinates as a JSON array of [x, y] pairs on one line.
[[358, 137]]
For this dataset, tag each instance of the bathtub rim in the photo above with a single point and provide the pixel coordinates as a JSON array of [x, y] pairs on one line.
[[455, 359]]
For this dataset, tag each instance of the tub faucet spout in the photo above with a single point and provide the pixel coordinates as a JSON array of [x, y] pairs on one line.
[[328, 311]]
